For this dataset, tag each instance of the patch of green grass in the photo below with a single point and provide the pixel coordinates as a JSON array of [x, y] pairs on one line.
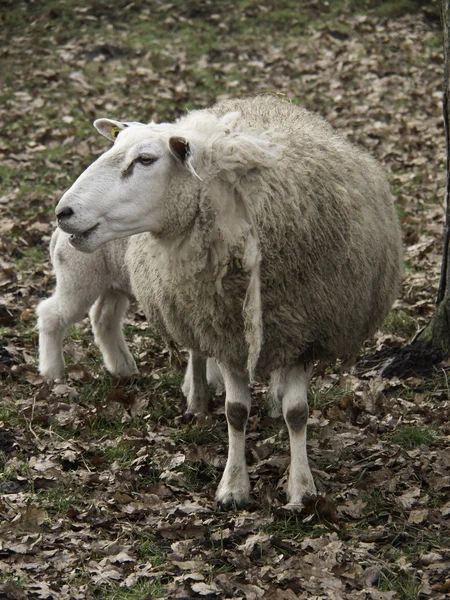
[[222, 566], [131, 330], [77, 333], [401, 211], [12, 471], [412, 541], [65, 433], [7, 176], [435, 41], [198, 475], [437, 387], [321, 398], [292, 526], [6, 578], [168, 379], [434, 199], [31, 257], [192, 434], [151, 476], [104, 391], [284, 15], [206, 80], [104, 425], [144, 590], [408, 393], [7, 472], [398, 322], [392, 9], [162, 409], [376, 502], [411, 267], [405, 585], [389, 9], [165, 387], [8, 416], [96, 393], [413, 436], [286, 527], [148, 551], [122, 453], [66, 494]]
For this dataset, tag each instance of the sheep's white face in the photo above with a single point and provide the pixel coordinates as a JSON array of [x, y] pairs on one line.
[[122, 192]]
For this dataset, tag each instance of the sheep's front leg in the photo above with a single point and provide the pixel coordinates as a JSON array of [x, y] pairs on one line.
[[55, 314], [195, 386], [52, 327], [107, 323], [295, 412], [234, 487]]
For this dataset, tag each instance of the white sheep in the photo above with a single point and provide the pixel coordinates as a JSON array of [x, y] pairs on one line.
[[99, 282], [267, 242]]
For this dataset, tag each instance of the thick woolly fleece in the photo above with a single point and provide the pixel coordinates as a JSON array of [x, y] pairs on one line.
[[288, 249]]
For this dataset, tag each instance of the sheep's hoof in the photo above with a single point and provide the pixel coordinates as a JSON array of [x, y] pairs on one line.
[[51, 376], [188, 417], [300, 488], [293, 507], [231, 503], [125, 372], [233, 497]]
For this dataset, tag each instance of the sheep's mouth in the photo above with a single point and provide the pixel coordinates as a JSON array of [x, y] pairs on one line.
[[83, 236]]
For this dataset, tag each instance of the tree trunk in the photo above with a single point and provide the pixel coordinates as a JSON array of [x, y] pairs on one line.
[[437, 333], [432, 344]]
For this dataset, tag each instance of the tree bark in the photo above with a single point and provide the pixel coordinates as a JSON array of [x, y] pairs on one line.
[[445, 19], [437, 332], [432, 344]]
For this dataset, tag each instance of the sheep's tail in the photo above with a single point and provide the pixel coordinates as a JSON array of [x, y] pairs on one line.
[[252, 309]]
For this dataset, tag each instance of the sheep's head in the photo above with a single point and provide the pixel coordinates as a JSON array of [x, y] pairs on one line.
[[125, 191], [122, 192]]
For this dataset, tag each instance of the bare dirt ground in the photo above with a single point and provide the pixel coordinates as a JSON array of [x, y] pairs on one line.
[[104, 492]]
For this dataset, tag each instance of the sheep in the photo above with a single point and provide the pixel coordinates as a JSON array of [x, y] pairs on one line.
[[266, 241], [100, 282]]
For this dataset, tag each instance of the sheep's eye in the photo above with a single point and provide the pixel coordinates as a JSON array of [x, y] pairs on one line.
[[146, 160], [115, 132]]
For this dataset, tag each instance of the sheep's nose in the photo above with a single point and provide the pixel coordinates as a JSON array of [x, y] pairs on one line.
[[64, 214]]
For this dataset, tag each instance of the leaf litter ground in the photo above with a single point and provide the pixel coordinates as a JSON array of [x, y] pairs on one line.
[[104, 491]]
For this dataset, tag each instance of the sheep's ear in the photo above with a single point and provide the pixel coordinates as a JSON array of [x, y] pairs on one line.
[[181, 150], [179, 147], [111, 129]]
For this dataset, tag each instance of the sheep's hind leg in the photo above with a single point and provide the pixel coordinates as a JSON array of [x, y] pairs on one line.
[[195, 386], [214, 377], [295, 412], [106, 318], [234, 487]]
